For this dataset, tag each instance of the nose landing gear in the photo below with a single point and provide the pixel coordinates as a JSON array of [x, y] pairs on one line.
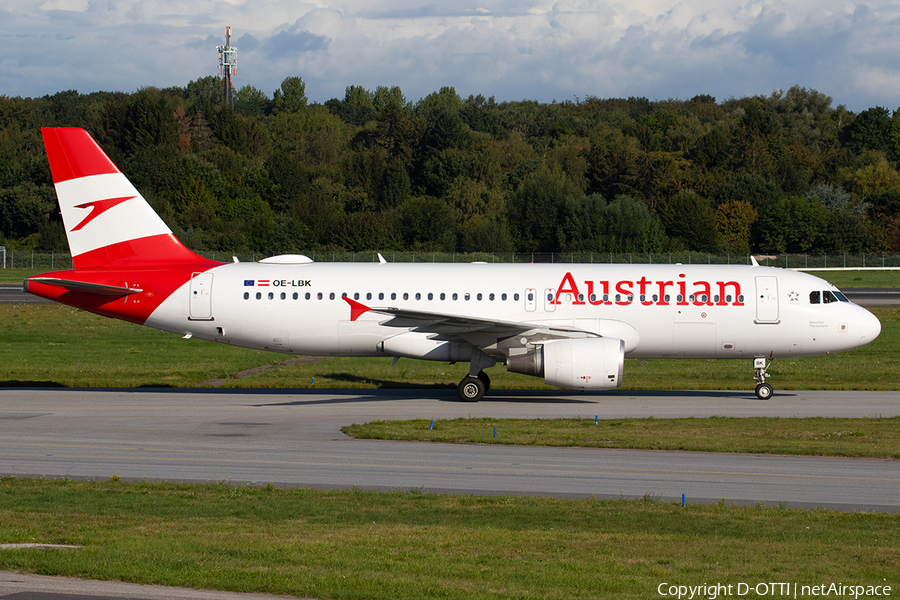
[[764, 391]]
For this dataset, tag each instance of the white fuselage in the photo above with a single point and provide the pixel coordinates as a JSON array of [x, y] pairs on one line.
[[688, 311]]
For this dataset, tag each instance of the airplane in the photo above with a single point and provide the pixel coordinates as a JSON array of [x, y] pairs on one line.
[[571, 324]]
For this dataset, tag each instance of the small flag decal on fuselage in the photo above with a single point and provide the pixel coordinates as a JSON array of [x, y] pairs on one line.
[[257, 282]]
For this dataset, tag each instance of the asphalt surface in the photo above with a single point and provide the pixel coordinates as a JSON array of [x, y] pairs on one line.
[[293, 438]]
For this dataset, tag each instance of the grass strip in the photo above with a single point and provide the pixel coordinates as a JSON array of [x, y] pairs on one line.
[[374, 545], [861, 438]]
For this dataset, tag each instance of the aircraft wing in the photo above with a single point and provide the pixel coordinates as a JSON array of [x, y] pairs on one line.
[[480, 332]]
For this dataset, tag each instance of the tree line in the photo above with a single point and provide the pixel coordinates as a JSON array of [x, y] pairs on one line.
[[375, 171]]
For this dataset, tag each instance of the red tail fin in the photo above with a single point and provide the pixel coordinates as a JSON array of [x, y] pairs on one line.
[[108, 222]]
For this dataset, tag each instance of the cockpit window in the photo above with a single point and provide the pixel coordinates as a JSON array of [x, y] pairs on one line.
[[815, 297], [841, 296], [828, 297]]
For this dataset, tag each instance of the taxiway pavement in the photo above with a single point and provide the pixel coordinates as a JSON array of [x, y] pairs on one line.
[[293, 438]]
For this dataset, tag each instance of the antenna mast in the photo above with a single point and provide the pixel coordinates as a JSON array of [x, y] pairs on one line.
[[227, 65]]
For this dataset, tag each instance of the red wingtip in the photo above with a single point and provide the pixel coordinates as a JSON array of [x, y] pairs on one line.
[[356, 308]]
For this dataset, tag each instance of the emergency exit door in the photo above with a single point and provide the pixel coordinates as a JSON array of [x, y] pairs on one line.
[[767, 299], [201, 297]]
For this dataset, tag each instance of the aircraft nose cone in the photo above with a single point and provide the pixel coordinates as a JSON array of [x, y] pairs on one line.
[[869, 328]]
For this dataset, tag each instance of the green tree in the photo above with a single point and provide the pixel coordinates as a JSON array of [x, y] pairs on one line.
[[252, 101], [536, 208], [690, 222], [427, 224], [870, 130], [734, 222], [291, 96]]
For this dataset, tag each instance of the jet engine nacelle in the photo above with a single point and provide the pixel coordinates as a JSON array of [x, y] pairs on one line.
[[583, 363]]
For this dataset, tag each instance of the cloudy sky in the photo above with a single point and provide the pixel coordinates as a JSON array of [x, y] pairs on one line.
[[541, 50]]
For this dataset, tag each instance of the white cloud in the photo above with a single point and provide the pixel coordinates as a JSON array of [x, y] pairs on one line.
[[513, 49]]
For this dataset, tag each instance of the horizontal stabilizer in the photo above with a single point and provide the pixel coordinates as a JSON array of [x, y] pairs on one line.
[[85, 287]]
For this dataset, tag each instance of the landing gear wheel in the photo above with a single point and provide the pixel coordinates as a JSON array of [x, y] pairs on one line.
[[471, 389], [485, 380], [764, 391]]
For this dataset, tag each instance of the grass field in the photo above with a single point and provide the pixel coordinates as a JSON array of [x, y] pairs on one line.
[[54, 345], [859, 438], [410, 545]]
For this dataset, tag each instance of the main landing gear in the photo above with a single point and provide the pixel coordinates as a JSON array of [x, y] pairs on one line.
[[763, 390], [472, 389]]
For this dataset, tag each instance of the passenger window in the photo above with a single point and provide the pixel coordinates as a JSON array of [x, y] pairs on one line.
[[418, 296], [466, 297], [478, 297], [319, 295], [368, 295], [455, 296], [271, 295], [283, 296], [815, 297], [393, 295], [356, 295], [258, 296], [405, 296], [443, 296], [246, 295], [516, 297], [381, 295], [331, 296], [430, 296], [503, 297], [308, 295], [491, 297]]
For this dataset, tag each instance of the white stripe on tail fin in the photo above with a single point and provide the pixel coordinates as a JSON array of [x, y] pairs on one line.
[[107, 221]]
